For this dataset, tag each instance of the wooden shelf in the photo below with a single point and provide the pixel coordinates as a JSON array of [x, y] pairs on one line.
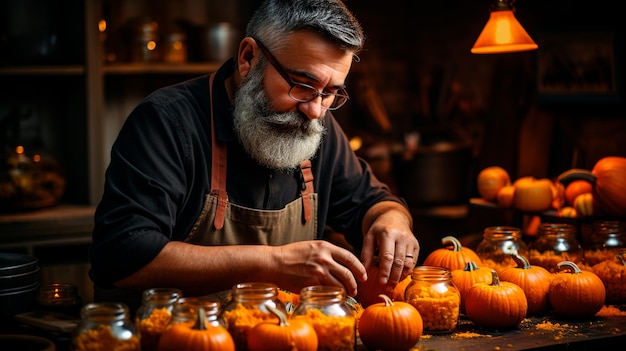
[[160, 68], [42, 70], [54, 226]]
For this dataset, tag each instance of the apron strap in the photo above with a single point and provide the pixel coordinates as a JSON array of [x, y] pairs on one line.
[[218, 168], [218, 174], [306, 188]]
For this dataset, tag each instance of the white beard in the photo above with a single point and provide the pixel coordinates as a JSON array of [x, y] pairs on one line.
[[278, 141]]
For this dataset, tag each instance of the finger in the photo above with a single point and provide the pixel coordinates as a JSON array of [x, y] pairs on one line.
[[339, 275], [387, 262], [368, 252]]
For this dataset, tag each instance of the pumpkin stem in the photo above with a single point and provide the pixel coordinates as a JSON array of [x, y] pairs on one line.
[[470, 266], [576, 173], [200, 320], [495, 279], [282, 317], [521, 261], [622, 257], [570, 266], [388, 301], [455, 242]]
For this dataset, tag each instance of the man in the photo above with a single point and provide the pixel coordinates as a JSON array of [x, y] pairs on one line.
[[233, 177]]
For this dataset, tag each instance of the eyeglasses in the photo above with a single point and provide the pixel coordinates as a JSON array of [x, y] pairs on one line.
[[303, 92]]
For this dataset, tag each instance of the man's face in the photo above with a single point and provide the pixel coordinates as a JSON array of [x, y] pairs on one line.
[[275, 140]]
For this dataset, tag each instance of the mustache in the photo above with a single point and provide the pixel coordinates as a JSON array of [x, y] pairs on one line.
[[290, 122]]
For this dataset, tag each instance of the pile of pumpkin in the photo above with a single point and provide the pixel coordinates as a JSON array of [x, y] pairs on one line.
[[503, 297], [387, 325], [575, 193]]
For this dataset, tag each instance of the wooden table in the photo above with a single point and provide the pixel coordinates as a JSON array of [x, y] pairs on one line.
[[598, 333]]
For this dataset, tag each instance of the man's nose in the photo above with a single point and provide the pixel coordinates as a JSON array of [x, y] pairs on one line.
[[312, 109]]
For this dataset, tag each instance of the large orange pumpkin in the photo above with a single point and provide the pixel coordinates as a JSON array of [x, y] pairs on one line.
[[498, 304], [454, 256], [196, 337], [534, 280], [465, 278], [390, 326], [608, 177], [490, 180], [533, 195], [398, 291], [576, 293], [286, 335]]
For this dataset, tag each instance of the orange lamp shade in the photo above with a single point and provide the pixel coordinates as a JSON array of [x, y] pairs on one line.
[[502, 34]]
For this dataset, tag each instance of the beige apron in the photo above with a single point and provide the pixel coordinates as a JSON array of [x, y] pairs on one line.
[[224, 223]]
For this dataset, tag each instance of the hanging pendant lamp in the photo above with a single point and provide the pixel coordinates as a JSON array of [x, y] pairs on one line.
[[503, 33]]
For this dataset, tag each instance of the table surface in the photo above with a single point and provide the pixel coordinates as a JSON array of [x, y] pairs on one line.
[[531, 334]]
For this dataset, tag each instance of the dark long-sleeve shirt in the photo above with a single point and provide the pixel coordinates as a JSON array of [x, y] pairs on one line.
[[160, 173]]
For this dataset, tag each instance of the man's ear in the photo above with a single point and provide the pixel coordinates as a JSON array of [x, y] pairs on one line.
[[246, 55]]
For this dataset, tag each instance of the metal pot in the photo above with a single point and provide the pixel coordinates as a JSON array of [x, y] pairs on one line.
[[437, 172], [220, 42]]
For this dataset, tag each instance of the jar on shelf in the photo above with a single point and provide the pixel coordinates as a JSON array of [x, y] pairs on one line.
[[155, 314], [186, 311], [432, 292], [59, 298], [247, 308], [555, 242], [608, 238], [105, 326], [326, 309], [174, 48], [498, 243], [146, 45]]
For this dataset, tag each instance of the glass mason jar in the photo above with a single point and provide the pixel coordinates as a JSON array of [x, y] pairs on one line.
[[186, 311], [608, 238], [247, 308], [556, 242], [437, 299], [60, 298], [326, 309], [498, 243], [154, 315], [105, 326]]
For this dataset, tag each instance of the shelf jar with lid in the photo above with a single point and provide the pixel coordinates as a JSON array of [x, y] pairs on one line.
[[432, 292], [556, 242], [155, 314], [497, 246], [326, 309], [608, 239], [105, 326], [247, 308]]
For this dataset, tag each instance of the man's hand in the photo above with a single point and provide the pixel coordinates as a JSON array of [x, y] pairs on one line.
[[389, 243], [317, 262]]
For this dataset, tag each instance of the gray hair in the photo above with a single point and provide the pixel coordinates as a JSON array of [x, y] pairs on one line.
[[331, 19]]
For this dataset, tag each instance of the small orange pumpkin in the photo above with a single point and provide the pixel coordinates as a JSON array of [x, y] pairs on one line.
[[498, 304], [454, 256], [465, 278], [390, 326], [398, 291], [287, 335], [195, 337], [534, 280], [576, 293]]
